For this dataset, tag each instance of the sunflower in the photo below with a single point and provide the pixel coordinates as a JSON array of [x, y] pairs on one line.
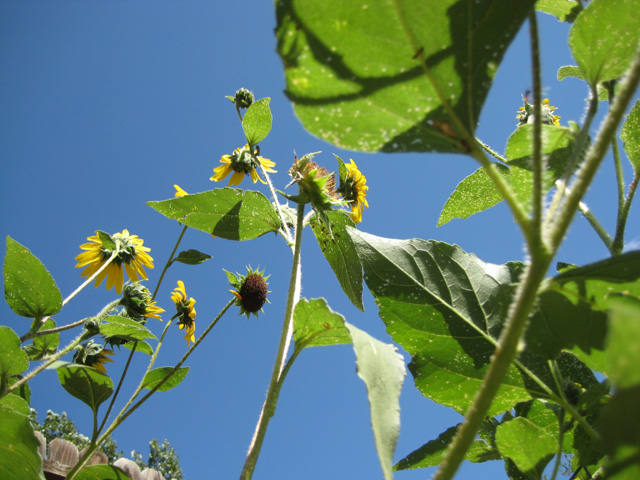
[[250, 291], [186, 313], [93, 355], [139, 303], [353, 188], [240, 162], [525, 114], [131, 254]]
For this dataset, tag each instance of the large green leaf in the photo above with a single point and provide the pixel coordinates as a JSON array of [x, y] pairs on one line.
[[229, 213], [43, 345], [604, 39], [125, 328], [338, 249], [623, 344], [631, 138], [316, 325], [477, 192], [387, 75], [155, 376], [19, 448], [86, 384], [563, 10], [382, 369], [13, 360], [29, 288], [446, 308], [101, 472], [432, 453], [257, 121]]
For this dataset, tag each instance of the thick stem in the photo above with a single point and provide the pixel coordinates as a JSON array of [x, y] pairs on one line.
[[618, 241], [538, 166], [268, 409]]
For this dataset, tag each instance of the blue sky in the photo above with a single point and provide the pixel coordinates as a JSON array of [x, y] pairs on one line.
[[105, 105]]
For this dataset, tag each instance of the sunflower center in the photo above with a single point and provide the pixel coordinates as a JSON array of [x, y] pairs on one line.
[[253, 293]]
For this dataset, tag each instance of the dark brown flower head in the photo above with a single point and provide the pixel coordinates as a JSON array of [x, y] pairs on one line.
[[250, 290]]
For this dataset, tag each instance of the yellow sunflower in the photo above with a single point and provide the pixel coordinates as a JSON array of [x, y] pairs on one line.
[[353, 187], [241, 162], [186, 312], [179, 192], [131, 253]]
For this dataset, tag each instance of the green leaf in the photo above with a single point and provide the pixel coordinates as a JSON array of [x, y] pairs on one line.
[[86, 384], [228, 213], [563, 10], [571, 71], [376, 76], [143, 347], [526, 444], [382, 369], [257, 121], [604, 39], [316, 325], [44, 345], [13, 360], [477, 192], [474, 194], [630, 137], [156, 375], [623, 343], [432, 453], [338, 249], [445, 307], [19, 447], [101, 472], [192, 257], [125, 328], [29, 288], [15, 403]]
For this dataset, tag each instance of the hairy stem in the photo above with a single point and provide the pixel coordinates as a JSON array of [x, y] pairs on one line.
[[268, 409]]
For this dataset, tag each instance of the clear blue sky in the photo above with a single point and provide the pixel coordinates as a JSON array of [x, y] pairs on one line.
[[105, 105]]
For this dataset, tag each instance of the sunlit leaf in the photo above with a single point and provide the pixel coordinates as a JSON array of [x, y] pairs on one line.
[[604, 39], [101, 472], [125, 328], [382, 369], [29, 288], [630, 137], [382, 76], [156, 375], [477, 192], [19, 447], [623, 343], [338, 249], [192, 257], [13, 360], [143, 347], [257, 121], [229, 213], [570, 71], [316, 325], [446, 308], [563, 10], [15, 403], [86, 384], [432, 453]]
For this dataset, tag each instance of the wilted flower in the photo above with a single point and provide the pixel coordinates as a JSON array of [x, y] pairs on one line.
[[186, 313], [250, 290], [93, 355], [240, 162], [131, 254], [353, 188], [525, 114]]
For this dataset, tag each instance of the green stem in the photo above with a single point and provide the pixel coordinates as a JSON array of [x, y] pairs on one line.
[[538, 167], [74, 343], [618, 241], [556, 466], [284, 230], [126, 411], [596, 153], [581, 141], [507, 349], [268, 409], [491, 152], [133, 349]]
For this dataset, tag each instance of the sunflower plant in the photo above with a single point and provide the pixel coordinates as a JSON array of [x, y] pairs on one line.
[[530, 352]]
